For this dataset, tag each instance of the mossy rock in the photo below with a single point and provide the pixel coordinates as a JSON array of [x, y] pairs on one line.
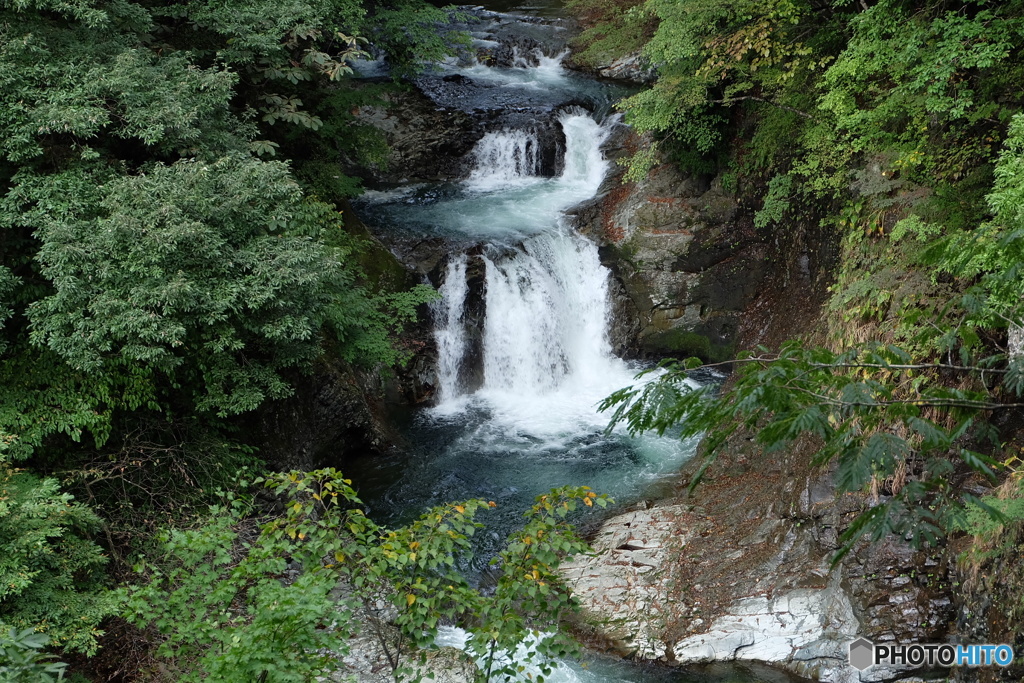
[[685, 343], [381, 270]]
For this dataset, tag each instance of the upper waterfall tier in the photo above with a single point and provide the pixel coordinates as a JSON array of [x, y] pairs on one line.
[[504, 200]]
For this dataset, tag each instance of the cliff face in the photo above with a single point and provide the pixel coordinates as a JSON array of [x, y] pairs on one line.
[[740, 569], [692, 276]]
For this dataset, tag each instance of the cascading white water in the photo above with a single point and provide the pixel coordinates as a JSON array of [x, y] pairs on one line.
[[533, 71], [546, 315], [547, 361], [503, 200], [449, 333], [505, 158], [547, 298], [585, 165]]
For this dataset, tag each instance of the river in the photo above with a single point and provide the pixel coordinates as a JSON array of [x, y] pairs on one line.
[[517, 389]]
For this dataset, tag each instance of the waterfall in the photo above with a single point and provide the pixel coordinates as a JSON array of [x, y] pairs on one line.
[[505, 158], [521, 327], [585, 165], [545, 351], [522, 322], [547, 315], [450, 334]]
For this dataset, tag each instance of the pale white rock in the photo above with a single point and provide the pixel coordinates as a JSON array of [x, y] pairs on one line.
[[625, 591], [621, 588], [628, 68], [366, 662]]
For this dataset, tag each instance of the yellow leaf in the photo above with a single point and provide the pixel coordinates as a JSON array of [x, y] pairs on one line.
[[339, 556], [460, 509], [297, 507], [589, 502], [409, 599], [291, 533], [302, 536], [412, 557], [414, 545]]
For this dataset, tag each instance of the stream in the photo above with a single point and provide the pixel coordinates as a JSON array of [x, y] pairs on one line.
[[523, 354]]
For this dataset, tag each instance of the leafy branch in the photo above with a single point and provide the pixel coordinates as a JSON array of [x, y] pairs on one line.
[[243, 598], [883, 422]]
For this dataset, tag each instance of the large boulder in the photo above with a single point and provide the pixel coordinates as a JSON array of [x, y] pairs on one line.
[[425, 143]]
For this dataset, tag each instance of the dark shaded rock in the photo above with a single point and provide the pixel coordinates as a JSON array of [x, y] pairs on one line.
[[471, 371], [687, 262], [426, 143], [336, 412]]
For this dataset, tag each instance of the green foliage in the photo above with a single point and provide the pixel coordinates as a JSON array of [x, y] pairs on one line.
[[210, 263], [152, 263], [22, 657], [237, 601], [530, 593], [994, 252], [883, 422], [776, 202], [171, 259], [915, 66], [411, 34], [822, 87], [51, 571], [218, 598], [7, 285], [614, 29]]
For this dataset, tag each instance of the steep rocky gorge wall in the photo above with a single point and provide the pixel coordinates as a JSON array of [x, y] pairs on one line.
[[692, 276], [740, 569]]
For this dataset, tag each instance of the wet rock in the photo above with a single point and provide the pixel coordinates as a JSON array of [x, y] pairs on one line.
[[336, 411], [688, 262], [632, 68], [425, 143]]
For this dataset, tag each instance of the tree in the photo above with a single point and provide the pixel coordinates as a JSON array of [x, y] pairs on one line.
[[152, 262], [247, 600], [51, 570], [161, 271]]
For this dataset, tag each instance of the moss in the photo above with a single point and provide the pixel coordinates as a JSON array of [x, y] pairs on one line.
[[381, 270], [686, 343]]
